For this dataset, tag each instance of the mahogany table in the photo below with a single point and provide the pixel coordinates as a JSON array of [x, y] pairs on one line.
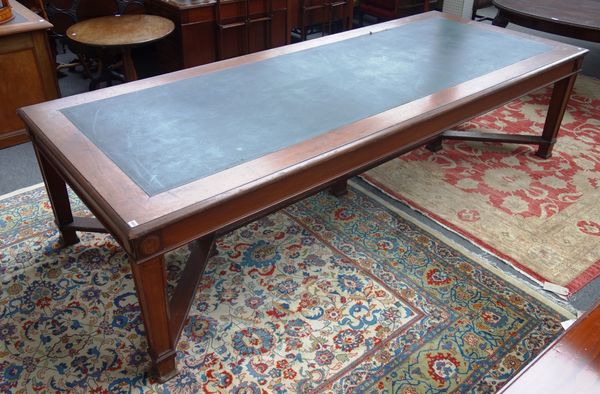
[[570, 365], [120, 32], [573, 18], [183, 157]]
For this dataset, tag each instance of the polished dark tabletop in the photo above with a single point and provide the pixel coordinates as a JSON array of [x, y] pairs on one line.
[[569, 17]]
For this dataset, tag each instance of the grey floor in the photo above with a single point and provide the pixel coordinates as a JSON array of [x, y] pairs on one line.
[[18, 166]]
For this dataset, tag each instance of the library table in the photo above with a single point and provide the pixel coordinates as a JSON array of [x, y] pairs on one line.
[[180, 158]]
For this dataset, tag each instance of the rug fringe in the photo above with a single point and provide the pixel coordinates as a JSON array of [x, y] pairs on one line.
[[567, 311]]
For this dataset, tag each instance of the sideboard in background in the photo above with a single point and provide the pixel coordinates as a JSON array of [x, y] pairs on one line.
[[27, 70], [196, 38]]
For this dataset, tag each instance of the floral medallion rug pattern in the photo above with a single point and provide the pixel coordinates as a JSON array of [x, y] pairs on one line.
[[328, 295], [541, 216]]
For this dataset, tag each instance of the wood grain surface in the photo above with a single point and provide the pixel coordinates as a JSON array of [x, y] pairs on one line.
[[570, 365]]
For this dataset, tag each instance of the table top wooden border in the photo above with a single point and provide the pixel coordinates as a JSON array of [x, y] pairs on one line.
[[114, 192]]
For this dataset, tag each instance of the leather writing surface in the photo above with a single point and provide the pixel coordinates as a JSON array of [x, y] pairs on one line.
[[169, 135]]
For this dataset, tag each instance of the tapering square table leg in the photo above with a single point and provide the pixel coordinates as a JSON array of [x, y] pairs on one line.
[[339, 188], [150, 279], [59, 199], [164, 317], [561, 94]]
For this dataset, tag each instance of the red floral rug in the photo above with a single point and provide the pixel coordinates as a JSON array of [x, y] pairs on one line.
[[541, 216]]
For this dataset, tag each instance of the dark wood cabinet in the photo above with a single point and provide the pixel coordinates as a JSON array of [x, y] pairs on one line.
[[200, 38]]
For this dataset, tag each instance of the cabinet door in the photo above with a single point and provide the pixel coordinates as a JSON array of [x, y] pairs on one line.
[[28, 77]]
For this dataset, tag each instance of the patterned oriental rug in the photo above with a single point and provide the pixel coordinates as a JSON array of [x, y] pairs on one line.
[[327, 295], [541, 216]]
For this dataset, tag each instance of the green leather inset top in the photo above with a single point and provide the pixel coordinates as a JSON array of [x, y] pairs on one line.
[[169, 135]]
